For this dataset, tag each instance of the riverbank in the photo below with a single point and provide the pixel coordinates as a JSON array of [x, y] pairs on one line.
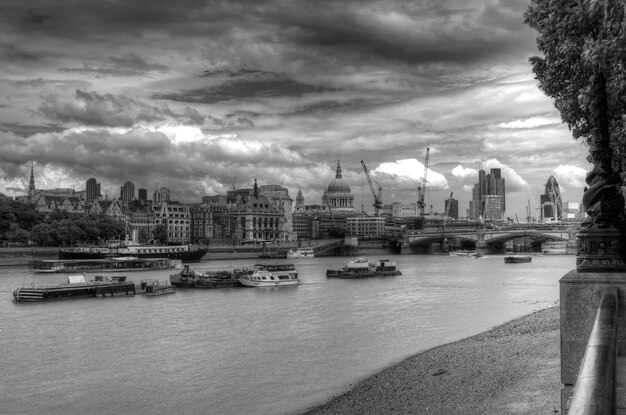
[[512, 369]]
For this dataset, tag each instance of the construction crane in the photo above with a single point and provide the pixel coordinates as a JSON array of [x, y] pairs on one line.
[[378, 202], [421, 190]]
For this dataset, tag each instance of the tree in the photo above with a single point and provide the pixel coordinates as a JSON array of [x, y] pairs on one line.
[[577, 39], [582, 70], [43, 235], [160, 233]]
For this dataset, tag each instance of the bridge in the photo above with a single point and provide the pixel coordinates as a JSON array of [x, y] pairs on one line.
[[491, 239]]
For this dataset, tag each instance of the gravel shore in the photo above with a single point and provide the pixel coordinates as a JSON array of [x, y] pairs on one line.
[[512, 369]]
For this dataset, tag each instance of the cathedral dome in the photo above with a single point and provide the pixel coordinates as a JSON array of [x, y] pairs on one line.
[[338, 184]]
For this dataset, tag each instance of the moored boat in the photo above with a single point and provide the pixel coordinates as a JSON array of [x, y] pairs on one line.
[[516, 259], [274, 275], [301, 253], [113, 264], [210, 279], [183, 252], [153, 287], [362, 268]]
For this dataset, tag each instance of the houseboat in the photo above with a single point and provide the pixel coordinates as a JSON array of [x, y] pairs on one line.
[[185, 253]]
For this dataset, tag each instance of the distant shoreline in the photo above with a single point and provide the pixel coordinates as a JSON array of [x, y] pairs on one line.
[[513, 368]]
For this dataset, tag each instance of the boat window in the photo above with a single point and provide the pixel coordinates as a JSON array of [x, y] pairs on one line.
[[263, 278], [272, 278]]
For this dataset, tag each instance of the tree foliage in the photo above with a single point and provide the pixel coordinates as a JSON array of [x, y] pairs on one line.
[[578, 40], [21, 223]]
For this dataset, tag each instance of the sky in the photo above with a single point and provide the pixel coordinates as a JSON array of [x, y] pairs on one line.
[[206, 96]]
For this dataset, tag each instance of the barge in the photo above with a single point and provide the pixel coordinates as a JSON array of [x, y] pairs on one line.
[[210, 279], [75, 287]]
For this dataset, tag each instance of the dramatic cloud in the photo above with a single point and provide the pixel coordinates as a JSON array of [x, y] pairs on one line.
[[203, 96]]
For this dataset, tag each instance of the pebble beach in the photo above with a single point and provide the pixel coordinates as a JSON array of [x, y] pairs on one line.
[[513, 368]]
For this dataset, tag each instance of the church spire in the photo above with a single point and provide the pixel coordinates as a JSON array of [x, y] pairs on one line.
[[31, 184], [338, 175]]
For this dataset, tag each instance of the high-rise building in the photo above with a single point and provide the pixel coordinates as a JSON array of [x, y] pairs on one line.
[[142, 194], [551, 203], [452, 208], [127, 192], [93, 190], [492, 184]]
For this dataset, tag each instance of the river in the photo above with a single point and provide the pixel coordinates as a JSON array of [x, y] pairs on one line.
[[250, 350]]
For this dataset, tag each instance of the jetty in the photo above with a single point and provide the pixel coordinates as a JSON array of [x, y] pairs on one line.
[[75, 287]]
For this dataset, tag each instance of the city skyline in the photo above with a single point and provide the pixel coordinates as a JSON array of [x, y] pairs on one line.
[[203, 99]]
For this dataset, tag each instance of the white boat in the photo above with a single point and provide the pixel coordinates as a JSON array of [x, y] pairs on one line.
[[271, 276], [301, 253]]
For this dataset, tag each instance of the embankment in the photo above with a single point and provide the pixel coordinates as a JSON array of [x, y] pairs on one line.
[[511, 369]]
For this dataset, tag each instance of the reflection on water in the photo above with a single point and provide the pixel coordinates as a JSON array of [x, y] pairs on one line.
[[251, 350]]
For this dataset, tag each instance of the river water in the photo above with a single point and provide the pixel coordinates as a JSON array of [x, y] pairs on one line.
[[250, 350]]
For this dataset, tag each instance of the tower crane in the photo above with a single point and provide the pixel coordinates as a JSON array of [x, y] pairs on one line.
[[378, 202], [421, 190]]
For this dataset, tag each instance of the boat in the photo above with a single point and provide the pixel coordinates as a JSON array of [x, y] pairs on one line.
[[301, 253], [210, 279], [362, 268], [274, 275], [185, 253], [516, 259], [75, 287], [113, 264], [154, 288]]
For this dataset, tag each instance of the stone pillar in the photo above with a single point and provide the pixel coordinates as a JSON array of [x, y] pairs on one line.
[[600, 258]]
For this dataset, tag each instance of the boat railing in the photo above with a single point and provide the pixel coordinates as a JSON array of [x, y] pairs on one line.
[[595, 389]]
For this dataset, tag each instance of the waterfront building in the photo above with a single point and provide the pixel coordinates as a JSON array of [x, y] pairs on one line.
[[338, 196], [451, 206], [70, 204], [112, 208], [280, 199], [365, 225], [175, 216], [93, 190], [127, 192], [492, 184], [255, 218], [141, 222], [211, 223], [303, 225]]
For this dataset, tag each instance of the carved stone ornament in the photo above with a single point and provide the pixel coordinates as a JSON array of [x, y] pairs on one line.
[[600, 250]]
